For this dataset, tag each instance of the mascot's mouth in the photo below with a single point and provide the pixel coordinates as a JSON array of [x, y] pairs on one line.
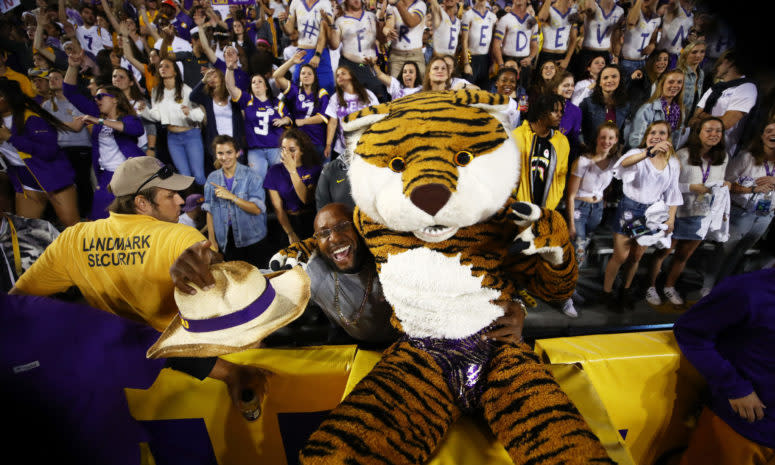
[[435, 233]]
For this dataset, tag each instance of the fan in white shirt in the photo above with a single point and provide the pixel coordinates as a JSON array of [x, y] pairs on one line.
[[559, 31], [676, 22], [446, 27], [516, 36], [640, 36], [404, 25], [476, 36], [648, 173]]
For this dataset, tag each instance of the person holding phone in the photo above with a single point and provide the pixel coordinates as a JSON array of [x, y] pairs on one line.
[[648, 173]]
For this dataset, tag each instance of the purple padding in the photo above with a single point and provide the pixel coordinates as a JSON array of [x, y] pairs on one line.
[[183, 441], [63, 370]]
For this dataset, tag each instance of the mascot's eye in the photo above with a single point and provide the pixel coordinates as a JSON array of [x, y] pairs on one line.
[[397, 164], [463, 158]]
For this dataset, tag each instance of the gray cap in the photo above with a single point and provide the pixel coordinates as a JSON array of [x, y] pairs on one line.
[[144, 172]]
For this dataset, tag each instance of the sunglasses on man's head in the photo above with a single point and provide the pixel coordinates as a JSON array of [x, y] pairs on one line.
[[102, 95], [163, 173]]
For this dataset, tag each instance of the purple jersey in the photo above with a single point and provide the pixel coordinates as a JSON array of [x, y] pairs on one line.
[[260, 133], [278, 179], [302, 105]]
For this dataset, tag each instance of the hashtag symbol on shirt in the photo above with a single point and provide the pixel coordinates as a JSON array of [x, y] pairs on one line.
[[310, 30]]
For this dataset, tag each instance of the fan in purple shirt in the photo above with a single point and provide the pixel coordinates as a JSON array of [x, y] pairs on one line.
[[264, 121], [307, 101], [291, 185]]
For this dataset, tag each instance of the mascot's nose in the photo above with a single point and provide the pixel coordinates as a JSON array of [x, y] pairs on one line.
[[430, 198]]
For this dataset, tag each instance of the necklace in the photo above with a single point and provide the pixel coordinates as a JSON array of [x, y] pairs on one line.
[[358, 313]]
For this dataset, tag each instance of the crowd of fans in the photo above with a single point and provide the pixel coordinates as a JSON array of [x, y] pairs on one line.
[[639, 115], [640, 118]]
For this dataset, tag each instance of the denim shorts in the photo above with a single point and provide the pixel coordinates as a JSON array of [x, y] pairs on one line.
[[627, 211], [686, 228]]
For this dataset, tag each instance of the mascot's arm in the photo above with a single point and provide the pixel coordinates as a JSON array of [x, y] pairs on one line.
[[542, 253], [298, 252]]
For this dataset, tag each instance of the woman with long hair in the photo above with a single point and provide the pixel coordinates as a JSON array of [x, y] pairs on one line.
[[173, 109], [291, 185], [114, 134], [264, 121], [649, 173], [703, 165], [590, 176], [694, 77], [752, 175], [350, 97], [608, 102], [222, 114], [37, 167], [407, 84], [236, 207], [75, 143], [306, 100], [437, 75], [642, 82], [125, 81], [570, 125], [666, 104], [583, 88], [539, 81]]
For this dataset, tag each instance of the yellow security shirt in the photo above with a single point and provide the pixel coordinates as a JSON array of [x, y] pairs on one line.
[[120, 264]]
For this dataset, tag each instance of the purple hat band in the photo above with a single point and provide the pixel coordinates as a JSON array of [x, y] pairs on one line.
[[252, 311]]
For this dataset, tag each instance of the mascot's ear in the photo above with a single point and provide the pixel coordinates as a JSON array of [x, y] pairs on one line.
[[356, 123], [494, 104]]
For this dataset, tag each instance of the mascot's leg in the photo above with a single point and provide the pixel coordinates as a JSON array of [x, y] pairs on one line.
[[396, 415], [531, 416]]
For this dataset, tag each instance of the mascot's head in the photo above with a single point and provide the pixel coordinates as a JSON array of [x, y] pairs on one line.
[[433, 162]]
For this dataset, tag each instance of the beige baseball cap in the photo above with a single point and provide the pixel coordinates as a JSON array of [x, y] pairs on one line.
[[144, 172]]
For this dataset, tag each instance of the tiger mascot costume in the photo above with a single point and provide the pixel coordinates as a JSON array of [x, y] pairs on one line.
[[434, 178]]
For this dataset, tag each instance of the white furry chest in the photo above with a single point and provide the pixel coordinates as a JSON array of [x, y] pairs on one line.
[[434, 295]]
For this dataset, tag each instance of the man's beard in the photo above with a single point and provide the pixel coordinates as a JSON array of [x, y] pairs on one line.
[[360, 254]]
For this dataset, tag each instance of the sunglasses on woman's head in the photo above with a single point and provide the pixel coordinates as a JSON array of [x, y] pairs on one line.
[[102, 95]]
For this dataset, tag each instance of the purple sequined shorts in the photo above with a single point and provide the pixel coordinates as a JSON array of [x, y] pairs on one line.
[[463, 363]]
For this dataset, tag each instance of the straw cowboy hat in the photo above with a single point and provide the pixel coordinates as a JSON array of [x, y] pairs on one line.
[[238, 312]]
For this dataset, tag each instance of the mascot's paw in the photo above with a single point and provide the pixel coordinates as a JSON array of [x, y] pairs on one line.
[[297, 253], [281, 261], [541, 231]]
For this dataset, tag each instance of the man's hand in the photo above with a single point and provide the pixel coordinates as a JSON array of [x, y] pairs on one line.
[[314, 62], [194, 265], [750, 407], [509, 326], [239, 378]]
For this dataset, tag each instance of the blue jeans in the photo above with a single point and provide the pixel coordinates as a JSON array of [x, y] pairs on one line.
[[187, 153], [630, 66], [324, 71], [745, 229], [259, 160], [586, 217]]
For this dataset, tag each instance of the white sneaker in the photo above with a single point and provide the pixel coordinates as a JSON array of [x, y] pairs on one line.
[[652, 296], [704, 291], [569, 310], [673, 296]]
